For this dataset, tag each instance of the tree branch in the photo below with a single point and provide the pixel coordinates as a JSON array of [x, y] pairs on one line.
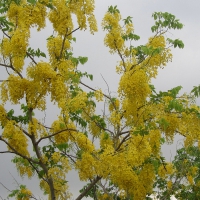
[[123, 140], [94, 90], [88, 188], [49, 136], [17, 153], [29, 55]]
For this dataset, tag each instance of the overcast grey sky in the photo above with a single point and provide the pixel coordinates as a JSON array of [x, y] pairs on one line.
[[184, 70]]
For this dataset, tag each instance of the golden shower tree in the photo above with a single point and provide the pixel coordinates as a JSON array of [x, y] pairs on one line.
[[117, 152]]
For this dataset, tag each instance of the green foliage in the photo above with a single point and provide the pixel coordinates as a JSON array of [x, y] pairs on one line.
[[165, 20], [33, 2], [62, 147], [75, 117], [163, 123], [113, 10], [130, 37], [185, 159], [23, 119], [196, 91], [157, 97], [99, 121], [175, 105], [37, 52], [91, 192], [5, 24], [141, 131], [128, 20], [176, 43], [69, 56]]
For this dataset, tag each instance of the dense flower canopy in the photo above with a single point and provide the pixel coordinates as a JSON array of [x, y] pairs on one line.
[[122, 146]]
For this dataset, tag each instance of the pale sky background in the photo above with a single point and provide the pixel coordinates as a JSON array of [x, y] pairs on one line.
[[184, 69]]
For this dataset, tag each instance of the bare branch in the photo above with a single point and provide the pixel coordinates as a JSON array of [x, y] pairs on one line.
[[4, 32], [5, 187], [89, 187], [73, 31], [29, 55], [49, 136], [123, 140], [119, 53], [17, 153], [94, 90]]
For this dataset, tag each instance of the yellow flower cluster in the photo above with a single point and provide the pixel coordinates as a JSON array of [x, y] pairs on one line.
[[16, 139], [26, 15], [58, 175], [94, 128], [66, 68], [193, 170], [113, 38], [129, 28], [24, 169], [86, 166], [165, 170], [3, 116], [190, 179], [174, 123], [106, 140], [115, 119], [134, 85], [64, 136], [114, 105], [154, 141], [169, 185], [23, 16], [25, 194], [84, 11], [83, 142], [61, 18], [46, 80], [99, 95], [16, 47], [55, 47], [133, 90], [61, 15], [158, 60], [78, 102], [36, 128], [56, 157], [92, 24]]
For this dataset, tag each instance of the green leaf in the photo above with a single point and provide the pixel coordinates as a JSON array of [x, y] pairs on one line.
[[128, 20], [173, 92], [174, 104], [82, 60], [13, 193], [163, 123], [113, 10], [62, 146], [162, 140], [196, 91], [62, 126], [91, 77], [41, 174], [33, 2], [75, 61], [43, 54]]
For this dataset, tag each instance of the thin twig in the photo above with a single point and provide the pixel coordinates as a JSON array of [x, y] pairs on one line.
[[123, 140], [73, 31], [94, 90], [49, 136], [29, 55], [5, 187]]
